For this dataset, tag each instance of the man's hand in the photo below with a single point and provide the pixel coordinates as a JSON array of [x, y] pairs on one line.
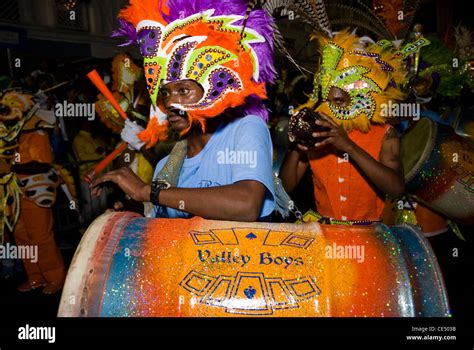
[[127, 180], [336, 136]]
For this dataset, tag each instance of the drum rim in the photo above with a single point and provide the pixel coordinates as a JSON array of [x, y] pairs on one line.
[[426, 154], [435, 269], [84, 253]]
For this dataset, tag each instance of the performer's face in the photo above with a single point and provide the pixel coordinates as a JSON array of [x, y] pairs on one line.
[[339, 97], [182, 92]]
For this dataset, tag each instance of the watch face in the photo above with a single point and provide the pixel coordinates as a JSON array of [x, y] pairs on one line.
[[163, 184]]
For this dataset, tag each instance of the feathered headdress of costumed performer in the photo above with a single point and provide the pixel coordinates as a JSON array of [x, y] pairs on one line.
[[369, 76], [216, 43]]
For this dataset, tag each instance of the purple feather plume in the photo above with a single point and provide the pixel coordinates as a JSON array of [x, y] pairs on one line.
[[261, 21], [258, 20], [127, 30], [254, 106]]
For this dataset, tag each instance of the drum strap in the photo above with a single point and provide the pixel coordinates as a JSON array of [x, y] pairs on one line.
[[171, 169]]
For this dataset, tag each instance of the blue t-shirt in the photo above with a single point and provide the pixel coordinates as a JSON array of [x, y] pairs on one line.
[[238, 150]]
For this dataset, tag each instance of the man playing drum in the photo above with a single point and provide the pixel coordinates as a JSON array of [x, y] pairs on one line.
[[354, 157], [206, 64]]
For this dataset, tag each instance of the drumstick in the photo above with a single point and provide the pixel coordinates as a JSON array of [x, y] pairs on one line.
[[99, 83], [104, 162]]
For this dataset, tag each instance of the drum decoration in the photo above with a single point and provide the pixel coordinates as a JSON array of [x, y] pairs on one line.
[[407, 211], [439, 169], [128, 265]]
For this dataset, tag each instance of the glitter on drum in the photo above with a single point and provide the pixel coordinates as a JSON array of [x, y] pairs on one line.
[[439, 169], [127, 265]]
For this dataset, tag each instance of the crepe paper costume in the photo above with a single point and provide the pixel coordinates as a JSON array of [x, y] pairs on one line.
[[28, 182], [17, 109], [24, 147]]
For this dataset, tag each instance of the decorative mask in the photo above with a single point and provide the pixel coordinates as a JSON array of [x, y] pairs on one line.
[[210, 42], [368, 77], [14, 106]]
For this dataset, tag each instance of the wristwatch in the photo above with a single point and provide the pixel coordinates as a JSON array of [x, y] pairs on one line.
[[156, 187]]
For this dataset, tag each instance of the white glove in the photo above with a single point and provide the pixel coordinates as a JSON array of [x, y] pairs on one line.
[[129, 135]]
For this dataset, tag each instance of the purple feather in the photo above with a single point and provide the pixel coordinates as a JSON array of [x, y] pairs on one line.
[[185, 8], [258, 20], [254, 106], [261, 20], [127, 30]]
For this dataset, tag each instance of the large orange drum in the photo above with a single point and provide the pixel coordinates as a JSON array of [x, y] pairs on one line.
[[128, 265], [439, 169]]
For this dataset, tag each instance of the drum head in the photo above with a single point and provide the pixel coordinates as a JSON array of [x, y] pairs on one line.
[[416, 146]]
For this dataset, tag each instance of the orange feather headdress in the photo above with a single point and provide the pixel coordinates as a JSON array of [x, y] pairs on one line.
[[213, 42]]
